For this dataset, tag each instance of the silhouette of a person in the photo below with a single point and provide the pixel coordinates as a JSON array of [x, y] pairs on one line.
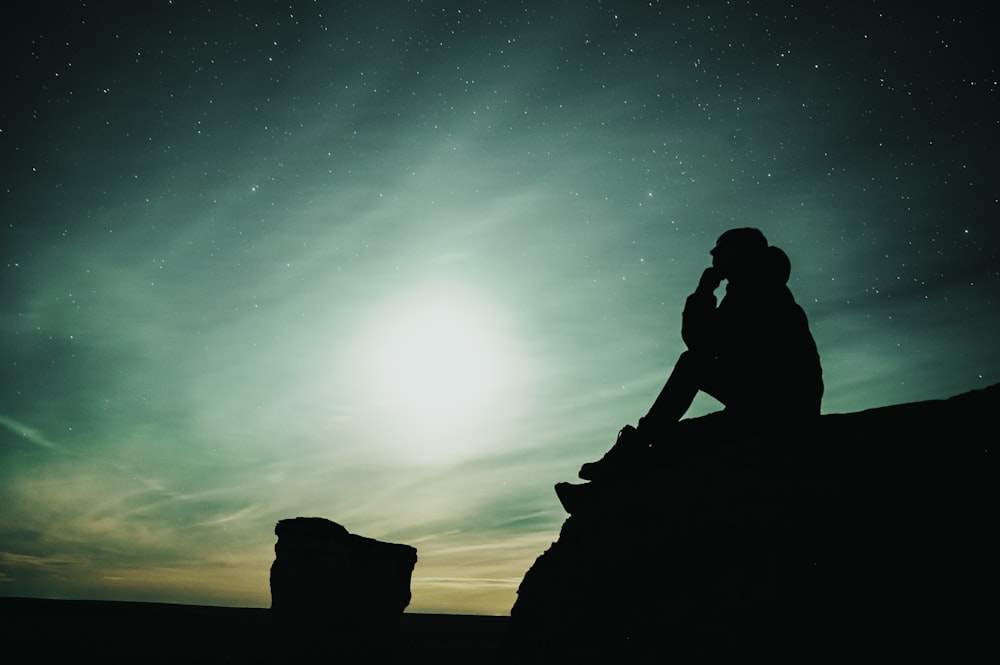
[[752, 351]]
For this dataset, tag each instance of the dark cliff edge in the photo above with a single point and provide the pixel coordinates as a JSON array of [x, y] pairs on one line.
[[862, 537]]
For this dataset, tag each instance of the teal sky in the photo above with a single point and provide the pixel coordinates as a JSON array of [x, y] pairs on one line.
[[405, 265]]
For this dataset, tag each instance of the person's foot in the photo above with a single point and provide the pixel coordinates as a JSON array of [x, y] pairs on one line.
[[572, 496], [629, 453]]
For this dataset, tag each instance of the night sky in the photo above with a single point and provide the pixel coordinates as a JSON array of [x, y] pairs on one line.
[[405, 265]]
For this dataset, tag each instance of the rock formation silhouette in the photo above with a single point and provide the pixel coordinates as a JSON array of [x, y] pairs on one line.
[[337, 594], [860, 537]]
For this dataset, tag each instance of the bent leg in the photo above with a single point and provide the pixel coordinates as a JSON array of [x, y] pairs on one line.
[[693, 372]]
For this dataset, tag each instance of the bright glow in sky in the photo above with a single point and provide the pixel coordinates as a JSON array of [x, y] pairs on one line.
[[405, 265], [439, 374]]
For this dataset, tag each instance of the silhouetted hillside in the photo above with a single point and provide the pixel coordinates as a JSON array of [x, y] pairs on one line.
[[867, 537], [65, 631]]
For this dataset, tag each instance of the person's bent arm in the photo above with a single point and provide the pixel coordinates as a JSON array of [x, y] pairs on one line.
[[698, 327]]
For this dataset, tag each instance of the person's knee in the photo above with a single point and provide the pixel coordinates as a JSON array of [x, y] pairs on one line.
[[690, 359]]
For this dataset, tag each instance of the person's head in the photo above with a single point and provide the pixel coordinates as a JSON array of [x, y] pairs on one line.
[[737, 252], [777, 267]]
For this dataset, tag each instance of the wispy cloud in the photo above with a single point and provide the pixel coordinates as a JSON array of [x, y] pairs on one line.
[[242, 514], [28, 433]]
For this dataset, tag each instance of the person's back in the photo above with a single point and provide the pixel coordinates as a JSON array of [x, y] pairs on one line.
[[764, 335]]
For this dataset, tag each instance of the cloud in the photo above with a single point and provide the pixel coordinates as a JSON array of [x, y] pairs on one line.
[[28, 433]]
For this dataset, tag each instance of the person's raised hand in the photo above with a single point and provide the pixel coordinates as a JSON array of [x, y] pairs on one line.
[[710, 279]]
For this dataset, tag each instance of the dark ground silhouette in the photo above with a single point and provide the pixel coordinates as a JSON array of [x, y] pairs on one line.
[[863, 537], [65, 631]]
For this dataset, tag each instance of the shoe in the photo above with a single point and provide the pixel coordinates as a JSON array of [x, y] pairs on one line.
[[629, 453], [572, 497]]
